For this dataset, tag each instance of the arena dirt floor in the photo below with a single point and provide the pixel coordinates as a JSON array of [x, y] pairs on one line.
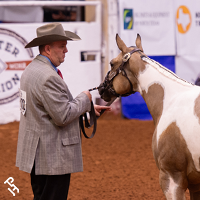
[[118, 163]]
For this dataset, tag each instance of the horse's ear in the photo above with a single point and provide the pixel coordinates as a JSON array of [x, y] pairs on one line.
[[138, 42], [121, 45]]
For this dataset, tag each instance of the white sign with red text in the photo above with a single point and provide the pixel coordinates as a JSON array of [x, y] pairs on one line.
[[80, 74]]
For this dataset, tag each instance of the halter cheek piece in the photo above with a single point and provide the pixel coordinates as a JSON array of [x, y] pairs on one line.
[[108, 82]]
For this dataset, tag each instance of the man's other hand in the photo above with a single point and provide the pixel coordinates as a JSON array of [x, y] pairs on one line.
[[99, 108]]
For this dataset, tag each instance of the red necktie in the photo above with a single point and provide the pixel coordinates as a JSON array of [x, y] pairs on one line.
[[59, 73]]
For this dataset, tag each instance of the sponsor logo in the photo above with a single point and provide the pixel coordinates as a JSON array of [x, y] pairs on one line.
[[128, 19], [13, 60], [197, 21], [183, 19], [150, 19]]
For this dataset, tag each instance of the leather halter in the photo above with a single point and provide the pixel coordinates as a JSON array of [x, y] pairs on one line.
[[108, 82]]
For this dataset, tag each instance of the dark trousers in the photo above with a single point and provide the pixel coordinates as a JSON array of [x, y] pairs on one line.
[[50, 187]]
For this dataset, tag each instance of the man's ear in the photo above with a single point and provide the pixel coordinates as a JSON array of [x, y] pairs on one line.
[[47, 49]]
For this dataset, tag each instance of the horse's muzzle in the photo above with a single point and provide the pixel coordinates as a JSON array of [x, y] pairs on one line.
[[104, 93]]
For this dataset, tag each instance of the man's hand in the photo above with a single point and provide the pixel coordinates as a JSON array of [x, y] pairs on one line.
[[99, 108], [88, 94]]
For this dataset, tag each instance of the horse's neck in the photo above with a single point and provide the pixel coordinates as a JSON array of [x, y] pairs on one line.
[[159, 86], [156, 73]]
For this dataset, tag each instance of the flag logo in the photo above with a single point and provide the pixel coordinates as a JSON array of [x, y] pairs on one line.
[[183, 19], [128, 19]]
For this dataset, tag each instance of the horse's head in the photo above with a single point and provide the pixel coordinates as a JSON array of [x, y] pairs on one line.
[[122, 80]]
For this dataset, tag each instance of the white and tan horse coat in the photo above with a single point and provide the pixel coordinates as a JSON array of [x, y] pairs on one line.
[[175, 107], [176, 141]]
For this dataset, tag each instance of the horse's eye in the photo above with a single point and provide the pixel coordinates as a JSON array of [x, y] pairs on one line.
[[111, 64]]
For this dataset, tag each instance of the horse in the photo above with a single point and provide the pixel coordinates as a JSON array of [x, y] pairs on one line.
[[174, 105]]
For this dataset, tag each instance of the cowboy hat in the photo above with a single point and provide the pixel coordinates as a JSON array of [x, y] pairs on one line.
[[52, 32]]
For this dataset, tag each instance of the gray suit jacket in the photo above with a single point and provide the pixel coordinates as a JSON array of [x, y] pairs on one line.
[[49, 130]]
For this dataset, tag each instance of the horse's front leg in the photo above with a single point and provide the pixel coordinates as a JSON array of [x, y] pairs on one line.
[[173, 185]]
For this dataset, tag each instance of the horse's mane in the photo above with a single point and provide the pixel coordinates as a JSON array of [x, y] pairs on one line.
[[166, 72]]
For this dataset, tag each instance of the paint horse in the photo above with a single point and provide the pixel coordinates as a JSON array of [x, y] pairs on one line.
[[175, 108]]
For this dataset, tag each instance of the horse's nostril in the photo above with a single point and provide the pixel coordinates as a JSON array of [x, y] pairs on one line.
[[101, 90]]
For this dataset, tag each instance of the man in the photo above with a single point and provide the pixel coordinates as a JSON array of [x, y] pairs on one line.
[[49, 143]]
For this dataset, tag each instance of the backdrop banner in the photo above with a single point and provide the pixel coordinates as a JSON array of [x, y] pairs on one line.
[[187, 39], [187, 27], [81, 69], [170, 28], [188, 67], [153, 20]]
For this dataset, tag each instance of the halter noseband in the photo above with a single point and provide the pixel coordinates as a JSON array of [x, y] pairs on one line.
[[107, 84]]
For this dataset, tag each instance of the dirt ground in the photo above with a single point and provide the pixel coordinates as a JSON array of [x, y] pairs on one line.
[[118, 163]]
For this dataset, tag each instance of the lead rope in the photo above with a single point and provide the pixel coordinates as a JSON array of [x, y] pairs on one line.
[[93, 118]]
